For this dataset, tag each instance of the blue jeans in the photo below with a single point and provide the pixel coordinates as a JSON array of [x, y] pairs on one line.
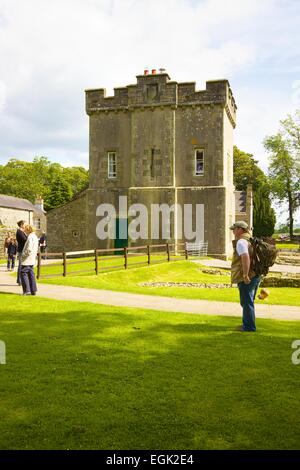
[[11, 261], [19, 268], [28, 280], [247, 297]]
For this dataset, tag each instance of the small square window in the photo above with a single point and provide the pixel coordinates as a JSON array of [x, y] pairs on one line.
[[199, 162]]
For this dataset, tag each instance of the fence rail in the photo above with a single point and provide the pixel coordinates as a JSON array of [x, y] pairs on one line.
[[99, 255]]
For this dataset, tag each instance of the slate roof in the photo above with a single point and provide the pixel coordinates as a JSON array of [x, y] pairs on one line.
[[18, 203]]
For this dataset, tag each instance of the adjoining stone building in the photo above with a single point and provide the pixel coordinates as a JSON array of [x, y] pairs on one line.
[[13, 209], [244, 205], [157, 141]]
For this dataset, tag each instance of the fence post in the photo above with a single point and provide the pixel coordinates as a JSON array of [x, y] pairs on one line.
[[64, 264], [168, 251], [125, 256], [96, 262], [186, 252], [148, 253], [39, 265]]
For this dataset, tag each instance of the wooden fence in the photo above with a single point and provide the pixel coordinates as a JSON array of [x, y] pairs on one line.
[[66, 258]]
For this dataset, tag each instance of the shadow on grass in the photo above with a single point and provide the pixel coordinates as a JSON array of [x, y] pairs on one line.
[[93, 376]]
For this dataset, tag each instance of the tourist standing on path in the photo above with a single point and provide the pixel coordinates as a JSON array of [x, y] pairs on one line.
[[242, 274], [43, 244], [7, 240], [21, 240], [28, 261], [11, 254]]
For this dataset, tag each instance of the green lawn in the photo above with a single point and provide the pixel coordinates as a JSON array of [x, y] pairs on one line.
[[106, 263], [179, 271], [86, 376]]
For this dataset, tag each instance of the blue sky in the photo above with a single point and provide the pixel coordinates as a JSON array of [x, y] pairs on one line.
[[51, 51]]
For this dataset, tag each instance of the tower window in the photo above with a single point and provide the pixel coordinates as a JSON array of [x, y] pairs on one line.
[[199, 162], [152, 163], [112, 164]]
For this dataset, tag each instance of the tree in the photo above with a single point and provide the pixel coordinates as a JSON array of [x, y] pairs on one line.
[[284, 168], [18, 179], [246, 171], [264, 218], [60, 192], [78, 178], [28, 180]]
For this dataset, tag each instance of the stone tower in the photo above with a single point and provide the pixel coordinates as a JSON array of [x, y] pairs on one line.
[[155, 142], [159, 141]]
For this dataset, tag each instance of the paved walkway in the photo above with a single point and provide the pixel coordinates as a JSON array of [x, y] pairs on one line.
[[124, 299], [276, 268]]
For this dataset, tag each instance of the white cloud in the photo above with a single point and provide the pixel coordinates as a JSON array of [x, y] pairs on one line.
[[52, 50], [2, 96]]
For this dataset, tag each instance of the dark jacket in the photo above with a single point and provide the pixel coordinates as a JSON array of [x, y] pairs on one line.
[[21, 239], [43, 240], [12, 249]]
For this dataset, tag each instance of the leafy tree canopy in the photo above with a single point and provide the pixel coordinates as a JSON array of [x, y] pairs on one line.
[[40, 177], [284, 168], [246, 171]]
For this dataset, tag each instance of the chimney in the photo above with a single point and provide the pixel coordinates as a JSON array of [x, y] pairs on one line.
[[153, 71], [39, 203], [146, 71]]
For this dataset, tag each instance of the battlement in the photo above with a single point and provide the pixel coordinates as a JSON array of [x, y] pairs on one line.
[[158, 90]]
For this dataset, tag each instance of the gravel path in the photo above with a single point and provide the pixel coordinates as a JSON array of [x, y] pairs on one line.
[[167, 304]]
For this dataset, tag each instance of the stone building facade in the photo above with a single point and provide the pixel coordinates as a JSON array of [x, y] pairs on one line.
[[244, 206], [13, 209], [156, 142]]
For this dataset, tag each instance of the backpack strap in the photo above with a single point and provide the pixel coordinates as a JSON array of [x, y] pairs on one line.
[[253, 255]]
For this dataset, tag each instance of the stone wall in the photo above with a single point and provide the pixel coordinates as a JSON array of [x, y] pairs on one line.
[[281, 281], [3, 234], [229, 209], [157, 90], [9, 216], [40, 223], [199, 128], [247, 216], [67, 226]]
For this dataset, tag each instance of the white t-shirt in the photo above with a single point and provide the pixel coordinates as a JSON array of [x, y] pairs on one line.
[[242, 247]]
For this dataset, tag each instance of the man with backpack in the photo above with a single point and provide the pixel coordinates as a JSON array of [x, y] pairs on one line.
[[242, 273]]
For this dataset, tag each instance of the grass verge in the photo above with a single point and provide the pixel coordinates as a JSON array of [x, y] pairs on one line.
[[180, 271], [81, 376]]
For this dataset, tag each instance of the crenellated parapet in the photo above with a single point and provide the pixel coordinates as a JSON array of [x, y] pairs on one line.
[[158, 90]]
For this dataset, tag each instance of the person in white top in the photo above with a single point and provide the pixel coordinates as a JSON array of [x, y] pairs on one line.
[[28, 261], [243, 275]]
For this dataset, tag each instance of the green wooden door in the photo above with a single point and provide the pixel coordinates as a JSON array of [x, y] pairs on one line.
[[121, 234]]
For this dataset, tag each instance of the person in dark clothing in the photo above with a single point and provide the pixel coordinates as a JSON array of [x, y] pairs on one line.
[[43, 244], [21, 240], [11, 254], [7, 240]]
